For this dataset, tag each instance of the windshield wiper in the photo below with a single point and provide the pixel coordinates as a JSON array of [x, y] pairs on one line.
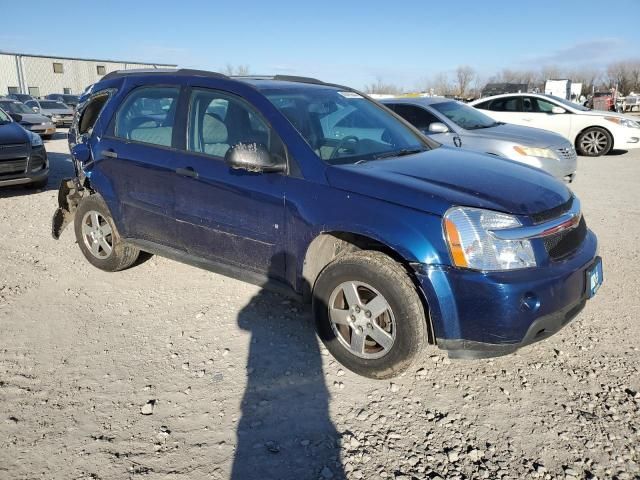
[[399, 153]]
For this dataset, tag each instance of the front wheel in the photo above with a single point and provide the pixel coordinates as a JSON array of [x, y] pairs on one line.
[[368, 314], [593, 142], [98, 237]]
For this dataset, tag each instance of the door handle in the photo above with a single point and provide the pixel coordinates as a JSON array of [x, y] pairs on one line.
[[187, 172], [109, 154]]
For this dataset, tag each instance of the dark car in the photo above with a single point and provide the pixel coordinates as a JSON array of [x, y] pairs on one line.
[[396, 240], [21, 97], [23, 159], [67, 99], [26, 117]]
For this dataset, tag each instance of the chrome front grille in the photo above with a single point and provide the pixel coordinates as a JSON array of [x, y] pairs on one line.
[[568, 153], [11, 167], [14, 151]]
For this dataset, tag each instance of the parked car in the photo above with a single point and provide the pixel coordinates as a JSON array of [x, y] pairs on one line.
[[593, 133], [23, 158], [395, 239], [68, 99], [21, 97], [456, 124], [33, 122], [60, 113]]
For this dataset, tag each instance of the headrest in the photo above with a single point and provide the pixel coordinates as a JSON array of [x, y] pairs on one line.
[[213, 129]]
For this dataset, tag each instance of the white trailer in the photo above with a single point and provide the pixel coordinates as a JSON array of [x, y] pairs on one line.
[[558, 88]]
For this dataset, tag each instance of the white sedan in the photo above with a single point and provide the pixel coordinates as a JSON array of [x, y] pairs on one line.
[[593, 132]]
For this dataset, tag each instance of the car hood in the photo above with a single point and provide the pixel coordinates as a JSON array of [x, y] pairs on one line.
[[438, 179], [12, 133], [507, 132], [34, 118]]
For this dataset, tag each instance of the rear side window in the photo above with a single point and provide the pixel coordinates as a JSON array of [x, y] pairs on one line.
[[482, 106], [91, 113], [148, 115]]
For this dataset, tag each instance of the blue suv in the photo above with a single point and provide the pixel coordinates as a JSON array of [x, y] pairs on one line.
[[318, 191]]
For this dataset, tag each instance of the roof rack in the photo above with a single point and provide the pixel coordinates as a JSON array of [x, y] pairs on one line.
[[204, 73], [161, 71], [283, 78]]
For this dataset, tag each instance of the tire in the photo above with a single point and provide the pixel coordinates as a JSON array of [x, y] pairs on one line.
[[373, 274], [40, 184], [593, 142], [94, 241]]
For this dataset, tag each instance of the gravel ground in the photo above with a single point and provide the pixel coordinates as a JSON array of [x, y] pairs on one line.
[[165, 371]]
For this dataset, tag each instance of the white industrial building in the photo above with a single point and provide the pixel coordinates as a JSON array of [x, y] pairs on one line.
[[39, 75]]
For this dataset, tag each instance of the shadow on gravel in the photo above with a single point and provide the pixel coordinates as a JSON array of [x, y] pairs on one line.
[[60, 166], [285, 431]]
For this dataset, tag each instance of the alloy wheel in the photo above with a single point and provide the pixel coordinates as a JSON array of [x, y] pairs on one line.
[[97, 234], [362, 319], [594, 142]]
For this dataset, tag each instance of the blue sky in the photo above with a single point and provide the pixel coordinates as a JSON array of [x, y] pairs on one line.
[[353, 42]]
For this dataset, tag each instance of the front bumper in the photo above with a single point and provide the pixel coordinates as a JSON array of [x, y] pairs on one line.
[[41, 129], [63, 122], [37, 170], [478, 315]]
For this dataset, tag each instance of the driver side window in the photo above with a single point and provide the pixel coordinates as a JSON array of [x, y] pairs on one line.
[[148, 116], [219, 121], [543, 106], [418, 117]]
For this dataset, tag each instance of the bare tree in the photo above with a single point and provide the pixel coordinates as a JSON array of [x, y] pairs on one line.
[[634, 76], [381, 87], [464, 76], [619, 75], [441, 84], [231, 70]]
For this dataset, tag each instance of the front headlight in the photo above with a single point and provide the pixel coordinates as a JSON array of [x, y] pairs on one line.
[[535, 152], [36, 141], [625, 122], [472, 245]]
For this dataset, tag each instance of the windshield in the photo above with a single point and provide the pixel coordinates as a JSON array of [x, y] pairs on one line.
[[53, 106], [575, 106], [4, 118], [464, 116], [343, 127], [15, 107]]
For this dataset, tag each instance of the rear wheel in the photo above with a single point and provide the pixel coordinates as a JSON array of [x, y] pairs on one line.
[[98, 237], [593, 142], [368, 314]]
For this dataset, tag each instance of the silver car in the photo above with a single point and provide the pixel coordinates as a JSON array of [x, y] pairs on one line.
[[453, 123], [60, 113], [33, 122]]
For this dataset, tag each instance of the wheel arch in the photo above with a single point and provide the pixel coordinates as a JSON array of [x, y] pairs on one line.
[[329, 245]]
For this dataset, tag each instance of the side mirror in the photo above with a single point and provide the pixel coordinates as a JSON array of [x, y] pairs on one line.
[[35, 109], [557, 110], [81, 153], [437, 127], [252, 157]]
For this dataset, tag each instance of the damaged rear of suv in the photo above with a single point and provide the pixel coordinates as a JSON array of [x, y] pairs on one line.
[[317, 191]]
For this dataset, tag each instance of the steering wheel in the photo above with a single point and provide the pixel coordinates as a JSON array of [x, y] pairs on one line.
[[343, 145]]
